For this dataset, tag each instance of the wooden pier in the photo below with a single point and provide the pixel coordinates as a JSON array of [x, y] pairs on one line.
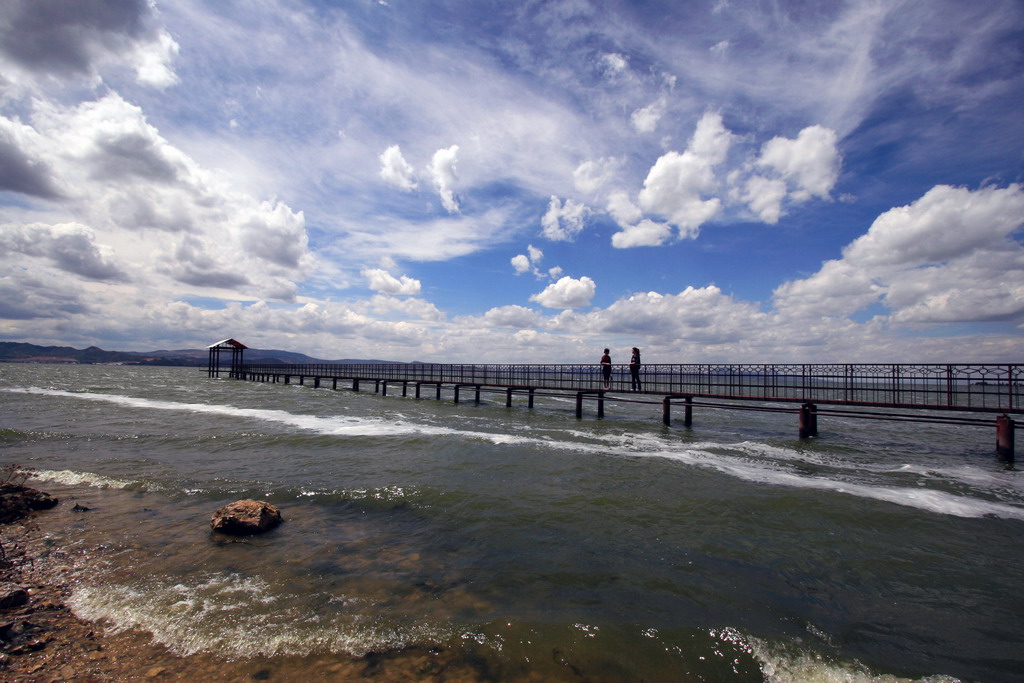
[[985, 395]]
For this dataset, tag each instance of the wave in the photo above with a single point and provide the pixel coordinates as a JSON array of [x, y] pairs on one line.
[[752, 461], [238, 616], [245, 617], [72, 478], [330, 426]]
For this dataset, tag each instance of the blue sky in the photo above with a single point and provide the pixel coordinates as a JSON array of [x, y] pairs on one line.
[[476, 181]]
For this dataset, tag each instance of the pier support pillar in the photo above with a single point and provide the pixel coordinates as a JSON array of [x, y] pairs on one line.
[[478, 394], [688, 412], [287, 379], [384, 388], [530, 405], [355, 385], [418, 385], [334, 383], [666, 410], [600, 404], [808, 420], [302, 380], [437, 395], [456, 397], [316, 382], [508, 397], [579, 405], [1005, 426], [405, 389]]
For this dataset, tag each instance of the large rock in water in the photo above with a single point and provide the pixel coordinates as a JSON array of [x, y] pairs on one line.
[[246, 517], [17, 502]]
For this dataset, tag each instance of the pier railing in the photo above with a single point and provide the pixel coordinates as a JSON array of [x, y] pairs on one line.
[[995, 388]]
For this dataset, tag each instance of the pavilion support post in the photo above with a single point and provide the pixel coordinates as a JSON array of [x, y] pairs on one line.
[[1005, 426], [808, 420]]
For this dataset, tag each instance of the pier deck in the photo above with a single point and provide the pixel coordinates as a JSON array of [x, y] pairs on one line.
[[933, 393]]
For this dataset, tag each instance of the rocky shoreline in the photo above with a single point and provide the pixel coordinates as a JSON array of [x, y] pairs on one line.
[[42, 641]]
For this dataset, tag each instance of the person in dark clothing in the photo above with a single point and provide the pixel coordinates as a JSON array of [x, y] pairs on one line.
[[606, 368], [634, 370]]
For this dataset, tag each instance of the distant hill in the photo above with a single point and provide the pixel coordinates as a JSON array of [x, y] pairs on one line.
[[17, 352]]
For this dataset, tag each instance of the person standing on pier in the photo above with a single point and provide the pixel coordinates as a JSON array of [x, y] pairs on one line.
[[634, 370], [606, 368]]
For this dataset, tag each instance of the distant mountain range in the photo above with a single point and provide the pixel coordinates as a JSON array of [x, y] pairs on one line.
[[17, 352]]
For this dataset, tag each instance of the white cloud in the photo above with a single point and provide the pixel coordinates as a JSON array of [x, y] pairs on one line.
[[515, 317], [384, 282], [530, 263], [614, 63], [567, 293], [677, 184], [944, 224], [442, 170], [521, 263], [434, 240], [765, 196], [395, 170], [624, 211], [140, 200], [562, 222], [154, 59], [412, 308], [810, 162], [645, 119], [646, 233], [931, 261], [591, 175]]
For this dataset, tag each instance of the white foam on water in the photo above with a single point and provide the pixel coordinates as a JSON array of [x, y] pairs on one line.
[[330, 426], [72, 478], [930, 500], [795, 663], [243, 617], [746, 460]]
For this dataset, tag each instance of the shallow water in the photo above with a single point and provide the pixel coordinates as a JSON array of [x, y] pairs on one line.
[[489, 543]]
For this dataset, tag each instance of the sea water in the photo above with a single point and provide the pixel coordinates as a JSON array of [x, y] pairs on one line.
[[480, 542]]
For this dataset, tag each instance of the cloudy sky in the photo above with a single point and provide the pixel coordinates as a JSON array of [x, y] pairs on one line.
[[493, 181]]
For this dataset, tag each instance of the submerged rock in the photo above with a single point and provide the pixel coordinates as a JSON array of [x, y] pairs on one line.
[[246, 517]]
